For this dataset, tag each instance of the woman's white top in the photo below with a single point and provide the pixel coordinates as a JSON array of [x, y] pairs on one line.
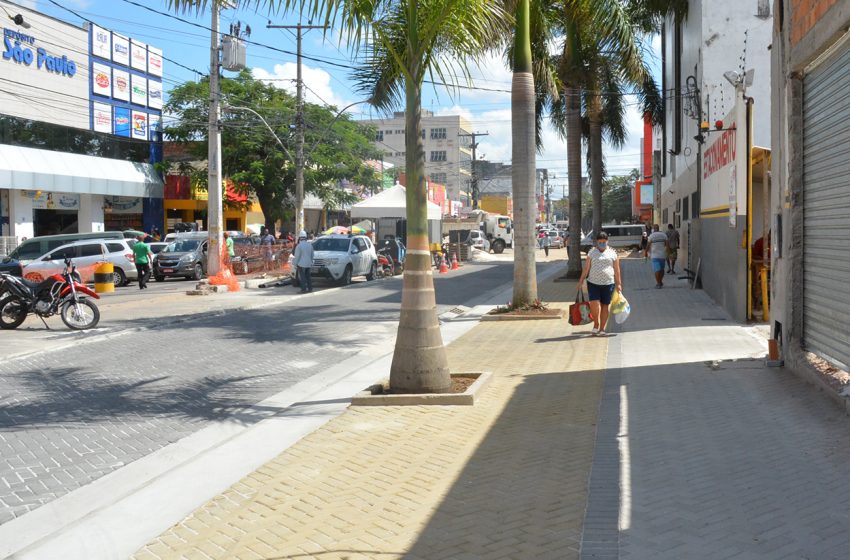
[[601, 266]]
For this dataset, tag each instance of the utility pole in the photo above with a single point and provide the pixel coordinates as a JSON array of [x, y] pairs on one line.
[[299, 125], [214, 202], [474, 135]]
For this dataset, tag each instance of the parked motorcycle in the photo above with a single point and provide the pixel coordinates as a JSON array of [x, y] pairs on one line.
[[385, 263], [60, 293]]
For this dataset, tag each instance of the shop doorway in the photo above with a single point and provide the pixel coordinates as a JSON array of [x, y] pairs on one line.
[[55, 222]]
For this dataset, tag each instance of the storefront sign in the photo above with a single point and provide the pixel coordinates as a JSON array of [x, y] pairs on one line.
[[120, 50], [155, 61], [16, 48], [155, 125], [139, 90], [121, 121], [102, 117], [52, 201], [101, 42], [138, 55], [101, 82], [154, 95], [120, 84], [140, 125], [122, 204]]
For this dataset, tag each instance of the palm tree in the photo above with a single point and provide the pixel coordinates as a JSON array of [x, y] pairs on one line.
[[404, 41], [593, 27]]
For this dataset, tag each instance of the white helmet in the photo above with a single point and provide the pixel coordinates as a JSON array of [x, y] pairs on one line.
[[302, 234]]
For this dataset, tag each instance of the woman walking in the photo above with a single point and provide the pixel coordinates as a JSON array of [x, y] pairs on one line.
[[602, 272]]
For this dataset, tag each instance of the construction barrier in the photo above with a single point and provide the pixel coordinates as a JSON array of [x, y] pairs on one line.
[[104, 278]]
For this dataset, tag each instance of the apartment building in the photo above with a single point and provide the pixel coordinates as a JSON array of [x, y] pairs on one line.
[[448, 153]]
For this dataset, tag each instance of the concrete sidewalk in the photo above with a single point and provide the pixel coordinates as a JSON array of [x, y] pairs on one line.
[[668, 440]]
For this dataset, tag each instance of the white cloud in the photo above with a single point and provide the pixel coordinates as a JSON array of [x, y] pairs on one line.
[[318, 88]]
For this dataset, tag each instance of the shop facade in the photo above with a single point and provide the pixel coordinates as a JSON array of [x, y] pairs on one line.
[[810, 205], [80, 120]]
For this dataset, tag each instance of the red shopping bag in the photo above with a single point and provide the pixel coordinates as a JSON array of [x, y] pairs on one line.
[[580, 311]]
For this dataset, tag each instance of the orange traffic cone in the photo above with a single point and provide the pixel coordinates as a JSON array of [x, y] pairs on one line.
[[454, 261], [443, 268]]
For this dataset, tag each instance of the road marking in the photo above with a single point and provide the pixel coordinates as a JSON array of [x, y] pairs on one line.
[[625, 519]]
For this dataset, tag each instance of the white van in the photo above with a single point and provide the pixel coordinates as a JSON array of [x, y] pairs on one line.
[[620, 236]]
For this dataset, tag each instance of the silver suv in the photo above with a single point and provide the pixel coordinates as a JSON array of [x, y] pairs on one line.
[[341, 257], [86, 254]]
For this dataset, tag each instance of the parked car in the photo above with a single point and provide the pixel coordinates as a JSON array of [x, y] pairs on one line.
[[478, 240], [86, 255], [186, 256], [555, 239], [341, 257], [248, 254], [36, 247]]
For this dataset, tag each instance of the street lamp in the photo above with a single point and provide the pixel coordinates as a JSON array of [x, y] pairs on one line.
[[299, 163]]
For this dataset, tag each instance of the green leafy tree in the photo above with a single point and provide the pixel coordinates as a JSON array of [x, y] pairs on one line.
[[251, 158]]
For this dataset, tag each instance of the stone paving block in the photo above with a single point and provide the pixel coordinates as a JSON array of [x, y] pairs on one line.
[[423, 482]]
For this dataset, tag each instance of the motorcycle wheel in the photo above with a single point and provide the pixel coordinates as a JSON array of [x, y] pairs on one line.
[[12, 312], [87, 317]]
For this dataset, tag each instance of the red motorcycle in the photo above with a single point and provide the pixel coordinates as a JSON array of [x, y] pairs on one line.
[[60, 293], [385, 263]]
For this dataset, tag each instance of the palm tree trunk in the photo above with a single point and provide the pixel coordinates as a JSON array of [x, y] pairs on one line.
[[420, 364], [523, 159], [574, 173], [594, 146]]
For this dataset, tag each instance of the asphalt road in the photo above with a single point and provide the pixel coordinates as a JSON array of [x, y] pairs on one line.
[[84, 409]]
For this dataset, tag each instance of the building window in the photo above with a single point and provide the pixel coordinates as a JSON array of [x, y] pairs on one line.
[[438, 155], [695, 205], [423, 134], [664, 216], [439, 178], [685, 210], [379, 136], [438, 134], [399, 154]]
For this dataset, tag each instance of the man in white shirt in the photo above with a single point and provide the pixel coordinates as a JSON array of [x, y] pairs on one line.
[[657, 251], [302, 259]]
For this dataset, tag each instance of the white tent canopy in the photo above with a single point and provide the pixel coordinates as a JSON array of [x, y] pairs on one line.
[[390, 204]]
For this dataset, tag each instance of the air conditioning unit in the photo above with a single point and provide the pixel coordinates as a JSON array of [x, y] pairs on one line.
[[233, 55]]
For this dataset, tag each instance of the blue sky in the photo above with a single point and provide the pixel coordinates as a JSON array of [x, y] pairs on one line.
[[327, 82]]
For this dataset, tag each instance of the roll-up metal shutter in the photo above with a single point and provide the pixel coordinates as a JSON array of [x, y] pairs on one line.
[[826, 208]]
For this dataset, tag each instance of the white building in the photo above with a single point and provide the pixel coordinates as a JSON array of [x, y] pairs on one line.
[[448, 154], [80, 113], [718, 43]]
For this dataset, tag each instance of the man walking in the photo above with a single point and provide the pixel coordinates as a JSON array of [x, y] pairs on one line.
[[143, 258], [658, 252], [546, 242], [672, 248], [267, 248], [302, 259], [231, 252]]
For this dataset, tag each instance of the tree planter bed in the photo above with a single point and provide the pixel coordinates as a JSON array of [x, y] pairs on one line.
[[469, 386]]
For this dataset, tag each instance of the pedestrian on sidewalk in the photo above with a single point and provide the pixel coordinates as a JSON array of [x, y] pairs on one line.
[[546, 242], [267, 248], [302, 259], [672, 248], [602, 272], [143, 258], [228, 243], [644, 244], [657, 251]]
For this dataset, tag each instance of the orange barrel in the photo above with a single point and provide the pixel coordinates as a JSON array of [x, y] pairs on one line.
[[104, 281]]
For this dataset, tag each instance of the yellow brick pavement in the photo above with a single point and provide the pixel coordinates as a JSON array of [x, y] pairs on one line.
[[506, 478]]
